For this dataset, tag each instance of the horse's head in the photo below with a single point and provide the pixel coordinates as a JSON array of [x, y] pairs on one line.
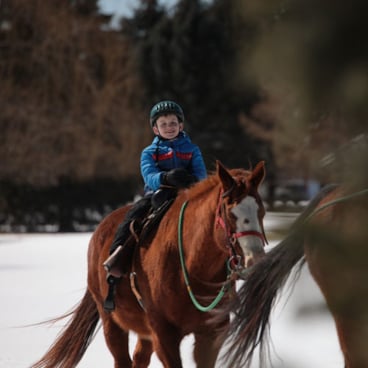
[[241, 211]]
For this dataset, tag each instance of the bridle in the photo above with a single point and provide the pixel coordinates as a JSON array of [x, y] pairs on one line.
[[234, 266], [232, 236]]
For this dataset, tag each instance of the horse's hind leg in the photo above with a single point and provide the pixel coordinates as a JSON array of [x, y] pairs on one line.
[[142, 353], [117, 341], [205, 350]]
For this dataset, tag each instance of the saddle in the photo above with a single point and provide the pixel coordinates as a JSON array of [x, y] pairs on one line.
[[118, 264]]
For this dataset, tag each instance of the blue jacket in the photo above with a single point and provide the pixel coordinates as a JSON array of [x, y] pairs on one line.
[[162, 156]]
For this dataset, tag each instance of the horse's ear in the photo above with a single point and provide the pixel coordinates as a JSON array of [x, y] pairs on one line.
[[226, 179], [258, 174]]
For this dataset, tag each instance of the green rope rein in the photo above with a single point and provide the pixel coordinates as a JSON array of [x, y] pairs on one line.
[[224, 288], [336, 201]]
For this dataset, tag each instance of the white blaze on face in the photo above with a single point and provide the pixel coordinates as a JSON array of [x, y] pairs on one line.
[[246, 213]]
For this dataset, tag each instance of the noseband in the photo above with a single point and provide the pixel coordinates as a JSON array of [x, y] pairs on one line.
[[232, 237]]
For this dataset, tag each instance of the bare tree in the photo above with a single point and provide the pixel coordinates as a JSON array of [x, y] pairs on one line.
[[70, 96]]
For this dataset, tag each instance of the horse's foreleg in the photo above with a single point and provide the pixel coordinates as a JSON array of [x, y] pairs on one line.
[[206, 350], [353, 335], [117, 341], [166, 342], [142, 353]]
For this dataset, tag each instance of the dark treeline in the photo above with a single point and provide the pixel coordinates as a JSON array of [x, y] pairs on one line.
[[75, 95]]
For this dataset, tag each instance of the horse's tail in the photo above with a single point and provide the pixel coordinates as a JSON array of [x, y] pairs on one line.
[[252, 308], [70, 346]]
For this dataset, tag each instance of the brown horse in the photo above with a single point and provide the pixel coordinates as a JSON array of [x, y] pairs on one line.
[[332, 237], [220, 231]]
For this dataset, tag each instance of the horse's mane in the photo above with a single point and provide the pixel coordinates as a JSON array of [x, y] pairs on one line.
[[203, 186], [212, 181]]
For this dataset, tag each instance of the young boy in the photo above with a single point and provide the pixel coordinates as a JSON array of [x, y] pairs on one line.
[[171, 159], [170, 163]]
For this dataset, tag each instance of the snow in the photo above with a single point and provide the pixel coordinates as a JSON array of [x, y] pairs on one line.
[[43, 276]]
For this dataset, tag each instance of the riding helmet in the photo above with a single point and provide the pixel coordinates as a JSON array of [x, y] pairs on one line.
[[166, 107]]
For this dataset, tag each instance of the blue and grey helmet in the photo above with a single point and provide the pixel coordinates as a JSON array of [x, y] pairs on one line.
[[166, 107]]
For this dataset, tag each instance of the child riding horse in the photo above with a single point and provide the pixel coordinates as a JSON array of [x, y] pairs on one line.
[[209, 234], [171, 162]]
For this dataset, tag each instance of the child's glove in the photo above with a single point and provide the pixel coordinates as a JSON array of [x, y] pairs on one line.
[[179, 178]]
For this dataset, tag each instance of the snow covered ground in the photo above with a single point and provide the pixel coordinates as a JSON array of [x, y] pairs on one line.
[[44, 275]]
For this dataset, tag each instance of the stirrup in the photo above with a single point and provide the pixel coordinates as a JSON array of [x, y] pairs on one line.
[[109, 303], [110, 263]]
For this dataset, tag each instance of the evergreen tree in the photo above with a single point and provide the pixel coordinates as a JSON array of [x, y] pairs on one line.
[[190, 55]]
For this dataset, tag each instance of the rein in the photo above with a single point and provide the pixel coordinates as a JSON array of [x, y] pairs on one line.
[[224, 287], [336, 201]]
